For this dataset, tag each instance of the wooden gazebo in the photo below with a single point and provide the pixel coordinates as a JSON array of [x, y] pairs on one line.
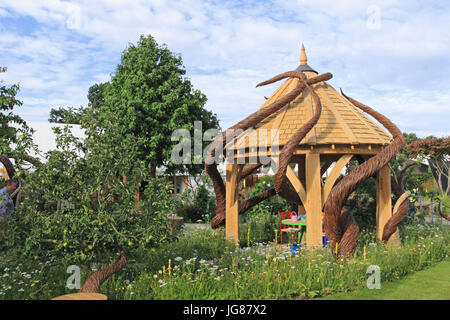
[[343, 132]]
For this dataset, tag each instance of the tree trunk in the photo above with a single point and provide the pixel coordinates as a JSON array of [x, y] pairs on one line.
[[152, 173]]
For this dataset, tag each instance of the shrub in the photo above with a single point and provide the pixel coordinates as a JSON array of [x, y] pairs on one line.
[[100, 211], [190, 213], [258, 228]]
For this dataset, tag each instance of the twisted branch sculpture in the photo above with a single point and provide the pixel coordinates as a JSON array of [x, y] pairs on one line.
[[252, 120], [340, 226], [95, 280]]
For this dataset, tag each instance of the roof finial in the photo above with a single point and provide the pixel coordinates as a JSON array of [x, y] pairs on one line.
[[303, 58]]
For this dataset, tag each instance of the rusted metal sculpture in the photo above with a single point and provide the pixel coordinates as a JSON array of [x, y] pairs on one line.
[[340, 227]]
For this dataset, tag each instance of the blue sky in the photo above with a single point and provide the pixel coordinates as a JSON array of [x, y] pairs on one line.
[[391, 55]]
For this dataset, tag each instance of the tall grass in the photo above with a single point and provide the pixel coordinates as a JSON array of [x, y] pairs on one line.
[[203, 265], [269, 271]]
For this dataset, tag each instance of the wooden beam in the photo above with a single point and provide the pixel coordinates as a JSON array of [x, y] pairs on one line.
[[384, 200], [334, 174], [313, 203], [324, 167], [233, 172], [296, 183], [4, 173]]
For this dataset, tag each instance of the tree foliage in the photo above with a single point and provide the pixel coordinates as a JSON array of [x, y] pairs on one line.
[[69, 115], [437, 152], [81, 202], [15, 135], [152, 97]]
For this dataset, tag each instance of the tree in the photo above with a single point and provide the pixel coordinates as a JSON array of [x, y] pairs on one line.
[[8, 102], [96, 95], [68, 115], [15, 135], [71, 115], [401, 165], [151, 98], [99, 210], [437, 152]]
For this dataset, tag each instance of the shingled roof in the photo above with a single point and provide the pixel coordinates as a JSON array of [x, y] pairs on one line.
[[340, 122]]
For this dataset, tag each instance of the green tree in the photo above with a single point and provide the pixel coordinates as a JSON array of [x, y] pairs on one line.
[[96, 95], [151, 98], [15, 135], [98, 211], [69, 115], [437, 152], [8, 102]]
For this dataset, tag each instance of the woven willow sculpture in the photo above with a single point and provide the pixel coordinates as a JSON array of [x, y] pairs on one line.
[[340, 226]]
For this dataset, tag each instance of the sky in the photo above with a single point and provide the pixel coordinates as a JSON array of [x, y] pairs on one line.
[[391, 55]]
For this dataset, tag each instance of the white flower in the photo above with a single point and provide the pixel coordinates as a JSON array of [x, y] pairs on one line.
[[178, 258]]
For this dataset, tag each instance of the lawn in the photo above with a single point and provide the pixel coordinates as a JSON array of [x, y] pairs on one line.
[[432, 283]]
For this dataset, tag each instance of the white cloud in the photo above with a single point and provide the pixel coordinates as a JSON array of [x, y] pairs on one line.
[[228, 47]]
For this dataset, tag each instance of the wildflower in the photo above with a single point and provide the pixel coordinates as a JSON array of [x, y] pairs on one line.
[[178, 259]]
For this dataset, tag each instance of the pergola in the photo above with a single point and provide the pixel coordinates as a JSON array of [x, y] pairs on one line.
[[341, 134]]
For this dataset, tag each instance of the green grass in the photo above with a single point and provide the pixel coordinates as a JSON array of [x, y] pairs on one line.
[[432, 283]]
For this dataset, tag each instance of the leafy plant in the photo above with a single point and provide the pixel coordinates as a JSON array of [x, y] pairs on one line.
[[15, 140], [96, 181], [151, 98]]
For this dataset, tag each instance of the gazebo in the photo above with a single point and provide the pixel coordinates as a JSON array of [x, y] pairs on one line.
[[341, 133]]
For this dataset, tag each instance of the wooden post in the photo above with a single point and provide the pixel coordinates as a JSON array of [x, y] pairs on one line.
[[313, 204], [384, 201], [301, 177], [232, 202]]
